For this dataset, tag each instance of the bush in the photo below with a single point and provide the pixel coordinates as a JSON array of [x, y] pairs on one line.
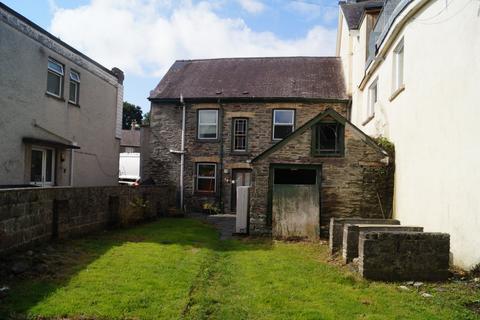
[[135, 212]]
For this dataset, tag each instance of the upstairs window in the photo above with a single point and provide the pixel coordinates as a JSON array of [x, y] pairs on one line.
[[328, 139], [207, 124], [372, 100], [398, 82], [55, 78], [74, 87], [283, 123], [240, 127], [206, 177]]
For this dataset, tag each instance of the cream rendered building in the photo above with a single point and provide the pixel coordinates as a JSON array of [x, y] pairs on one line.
[[413, 71]]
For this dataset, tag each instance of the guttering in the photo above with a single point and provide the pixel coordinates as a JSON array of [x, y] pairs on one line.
[[389, 39], [247, 99]]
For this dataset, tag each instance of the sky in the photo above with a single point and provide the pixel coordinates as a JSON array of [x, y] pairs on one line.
[[145, 37]]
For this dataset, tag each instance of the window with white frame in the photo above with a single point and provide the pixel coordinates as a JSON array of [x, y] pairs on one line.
[[283, 123], [74, 87], [240, 127], [207, 124], [398, 59], [372, 99], [206, 177], [42, 166], [55, 78]]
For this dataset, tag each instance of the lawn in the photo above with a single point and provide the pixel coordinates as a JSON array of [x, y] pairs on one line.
[[179, 269]]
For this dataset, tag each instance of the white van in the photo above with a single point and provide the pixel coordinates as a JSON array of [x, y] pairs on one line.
[[129, 169]]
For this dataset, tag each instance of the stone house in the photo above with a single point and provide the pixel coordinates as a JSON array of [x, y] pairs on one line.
[[61, 111], [221, 123]]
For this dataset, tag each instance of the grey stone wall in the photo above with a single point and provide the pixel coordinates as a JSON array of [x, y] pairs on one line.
[[396, 256], [166, 121], [35, 215], [336, 229], [346, 190], [351, 235]]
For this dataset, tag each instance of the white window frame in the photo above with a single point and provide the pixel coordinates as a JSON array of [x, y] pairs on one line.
[[398, 67], [57, 73], [75, 79], [292, 123], [235, 134], [44, 182], [198, 176], [207, 124], [372, 99]]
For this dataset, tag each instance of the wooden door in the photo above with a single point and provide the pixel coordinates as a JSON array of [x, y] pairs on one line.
[[240, 178]]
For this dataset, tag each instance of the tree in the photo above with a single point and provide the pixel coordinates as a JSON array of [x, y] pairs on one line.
[[146, 118], [131, 112]]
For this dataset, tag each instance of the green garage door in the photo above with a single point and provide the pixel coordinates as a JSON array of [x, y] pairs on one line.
[[295, 202]]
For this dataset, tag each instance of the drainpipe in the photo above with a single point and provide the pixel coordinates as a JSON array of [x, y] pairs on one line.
[[72, 152], [182, 153]]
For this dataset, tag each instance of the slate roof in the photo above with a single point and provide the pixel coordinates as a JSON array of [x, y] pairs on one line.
[[281, 78], [353, 11], [130, 138]]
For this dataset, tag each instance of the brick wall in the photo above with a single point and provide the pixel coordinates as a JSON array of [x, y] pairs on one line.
[[35, 215], [347, 187], [164, 167]]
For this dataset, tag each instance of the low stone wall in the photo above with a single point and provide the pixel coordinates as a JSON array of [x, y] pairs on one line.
[[34, 215], [336, 229], [397, 256], [351, 233]]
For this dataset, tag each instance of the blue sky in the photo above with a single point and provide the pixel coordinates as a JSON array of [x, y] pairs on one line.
[[144, 37]]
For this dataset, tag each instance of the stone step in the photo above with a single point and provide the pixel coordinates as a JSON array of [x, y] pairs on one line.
[[351, 233], [336, 229]]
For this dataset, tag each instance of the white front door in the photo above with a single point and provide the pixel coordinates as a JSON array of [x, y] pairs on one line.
[[42, 166]]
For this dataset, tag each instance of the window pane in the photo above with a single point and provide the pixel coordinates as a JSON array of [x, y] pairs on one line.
[[73, 92], [74, 76], [281, 131], [206, 170], [55, 66], [207, 131], [240, 135], [400, 67], [207, 116], [206, 185], [328, 137], [53, 83], [48, 169], [239, 144], [36, 166], [283, 116]]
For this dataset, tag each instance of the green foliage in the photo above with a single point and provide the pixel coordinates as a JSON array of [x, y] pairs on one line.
[[146, 119], [211, 207], [131, 112], [179, 269], [386, 145]]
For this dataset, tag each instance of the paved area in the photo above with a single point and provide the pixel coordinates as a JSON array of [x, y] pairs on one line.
[[225, 223]]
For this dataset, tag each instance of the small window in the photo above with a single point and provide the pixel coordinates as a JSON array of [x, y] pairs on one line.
[[372, 99], [398, 67], [74, 87], [283, 123], [206, 177], [55, 78], [240, 127], [328, 139], [207, 124]]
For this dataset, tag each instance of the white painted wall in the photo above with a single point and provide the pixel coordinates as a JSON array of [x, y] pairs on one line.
[[434, 122]]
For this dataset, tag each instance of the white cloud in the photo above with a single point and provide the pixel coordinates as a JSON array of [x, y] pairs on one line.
[[252, 6], [144, 37], [315, 11]]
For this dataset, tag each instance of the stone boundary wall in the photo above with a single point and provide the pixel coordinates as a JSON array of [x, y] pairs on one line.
[[33, 215], [335, 234], [398, 256], [351, 233]]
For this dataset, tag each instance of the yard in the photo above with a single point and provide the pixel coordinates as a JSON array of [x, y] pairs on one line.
[[178, 268]]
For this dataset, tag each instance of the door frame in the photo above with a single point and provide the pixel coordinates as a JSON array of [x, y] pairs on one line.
[[233, 193], [271, 171], [43, 150]]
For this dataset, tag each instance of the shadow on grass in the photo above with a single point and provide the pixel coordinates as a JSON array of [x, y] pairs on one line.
[[68, 258]]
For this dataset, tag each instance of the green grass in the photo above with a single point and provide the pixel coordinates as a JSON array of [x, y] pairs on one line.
[[177, 268]]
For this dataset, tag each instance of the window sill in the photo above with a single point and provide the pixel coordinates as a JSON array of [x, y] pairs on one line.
[[396, 93], [74, 104], [328, 155], [51, 95], [207, 140], [368, 119]]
